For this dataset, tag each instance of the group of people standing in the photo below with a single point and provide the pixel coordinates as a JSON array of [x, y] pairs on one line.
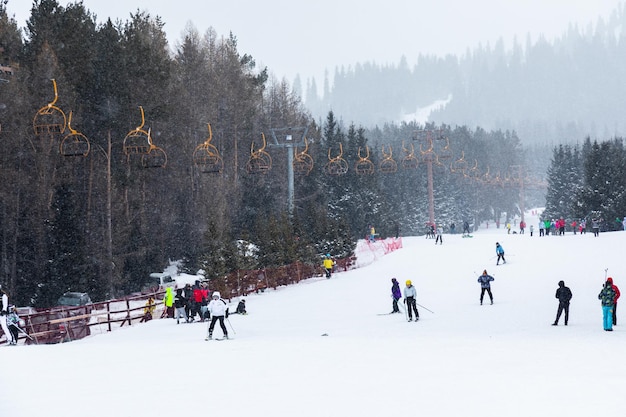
[[187, 302], [557, 227]]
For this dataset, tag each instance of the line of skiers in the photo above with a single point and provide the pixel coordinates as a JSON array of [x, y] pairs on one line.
[[608, 297]]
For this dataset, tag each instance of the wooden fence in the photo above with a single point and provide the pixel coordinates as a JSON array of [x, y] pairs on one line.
[[63, 324]]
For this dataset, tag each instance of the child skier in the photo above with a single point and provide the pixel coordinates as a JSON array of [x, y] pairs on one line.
[[218, 309]]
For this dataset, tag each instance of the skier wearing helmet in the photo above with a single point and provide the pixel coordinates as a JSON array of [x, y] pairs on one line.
[[410, 298], [328, 265], [218, 309]]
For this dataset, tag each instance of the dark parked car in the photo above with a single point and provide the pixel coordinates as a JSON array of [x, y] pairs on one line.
[[74, 299]]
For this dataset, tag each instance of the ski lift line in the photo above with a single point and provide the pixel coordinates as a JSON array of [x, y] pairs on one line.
[[50, 120], [388, 165], [75, 143], [364, 166], [409, 160], [260, 161], [303, 162], [206, 156], [137, 141], [336, 165]]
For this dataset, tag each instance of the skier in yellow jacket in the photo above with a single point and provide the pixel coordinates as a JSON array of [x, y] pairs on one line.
[[328, 265], [169, 302]]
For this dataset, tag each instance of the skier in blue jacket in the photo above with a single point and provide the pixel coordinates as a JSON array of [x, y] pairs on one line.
[[607, 296], [500, 253], [485, 285]]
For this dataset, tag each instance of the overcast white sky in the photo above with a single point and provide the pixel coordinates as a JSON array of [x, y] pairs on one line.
[[306, 38]]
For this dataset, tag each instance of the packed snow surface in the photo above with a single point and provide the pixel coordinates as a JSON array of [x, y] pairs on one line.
[[322, 347]]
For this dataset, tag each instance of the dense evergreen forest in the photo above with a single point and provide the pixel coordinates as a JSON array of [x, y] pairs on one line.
[[552, 92], [588, 182], [120, 154]]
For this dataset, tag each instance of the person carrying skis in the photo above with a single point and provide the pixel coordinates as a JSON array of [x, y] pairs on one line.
[[328, 265], [485, 280], [607, 296], [410, 299], [396, 294], [218, 309], [564, 295], [617, 294], [500, 253]]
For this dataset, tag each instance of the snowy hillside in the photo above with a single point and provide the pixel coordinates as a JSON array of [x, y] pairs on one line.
[[462, 360]]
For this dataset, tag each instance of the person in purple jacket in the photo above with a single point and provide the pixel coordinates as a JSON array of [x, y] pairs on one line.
[[396, 294]]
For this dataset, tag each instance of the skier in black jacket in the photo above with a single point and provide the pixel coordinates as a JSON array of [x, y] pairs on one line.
[[180, 303], [564, 294]]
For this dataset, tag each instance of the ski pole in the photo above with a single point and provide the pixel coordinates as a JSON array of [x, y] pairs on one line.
[[231, 326], [406, 310], [425, 308], [25, 334]]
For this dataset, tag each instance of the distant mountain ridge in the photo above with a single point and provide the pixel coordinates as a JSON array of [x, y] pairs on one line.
[[547, 91]]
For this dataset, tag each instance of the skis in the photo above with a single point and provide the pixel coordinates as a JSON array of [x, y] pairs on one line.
[[388, 314], [218, 338]]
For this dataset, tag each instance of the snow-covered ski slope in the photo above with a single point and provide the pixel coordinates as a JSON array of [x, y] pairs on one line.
[[464, 360]]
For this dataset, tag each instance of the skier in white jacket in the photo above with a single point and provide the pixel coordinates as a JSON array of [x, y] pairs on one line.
[[4, 312], [218, 309]]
